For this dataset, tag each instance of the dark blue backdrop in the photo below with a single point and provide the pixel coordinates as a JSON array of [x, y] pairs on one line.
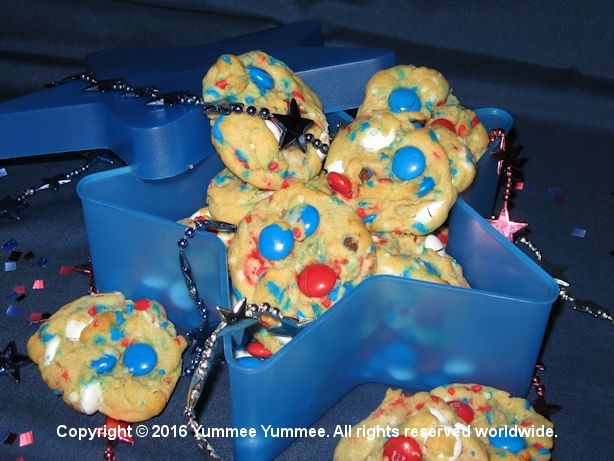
[[550, 65]]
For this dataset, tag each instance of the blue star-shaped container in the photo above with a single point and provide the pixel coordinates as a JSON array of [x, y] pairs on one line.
[[391, 330]]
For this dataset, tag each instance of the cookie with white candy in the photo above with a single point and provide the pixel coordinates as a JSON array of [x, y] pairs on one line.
[[106, 353]]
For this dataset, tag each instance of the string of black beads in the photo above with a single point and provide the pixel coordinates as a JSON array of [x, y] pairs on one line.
[[265, 114]]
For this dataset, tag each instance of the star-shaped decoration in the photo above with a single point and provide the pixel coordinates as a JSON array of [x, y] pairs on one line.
[[10, 361], [86, 269], [292, 127], [507, 156], [8, 207], [234, 315], [505, 225], [543, 408], [120, 430]]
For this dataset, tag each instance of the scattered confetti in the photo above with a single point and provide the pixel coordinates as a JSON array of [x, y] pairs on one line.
[[26, 438], [42, 261], [28, 256], [557, 193], [12, 295], [612, 253], [15, 255], [38, 285], [578, 232], [10, 245], [13, 311], [20, 298], [3, 172], [37, 317], [7, 437], [519, 185], [65, 270], [10, 266], [20, 289], [528, 190]]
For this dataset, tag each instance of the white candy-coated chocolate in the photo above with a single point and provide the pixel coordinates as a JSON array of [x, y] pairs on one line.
[[74, 329], [432, 242], [51, 349], [91, 398]]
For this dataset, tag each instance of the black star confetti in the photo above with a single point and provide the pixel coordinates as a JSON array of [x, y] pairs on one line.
[[543, 408], [10, 361], [293, 127]]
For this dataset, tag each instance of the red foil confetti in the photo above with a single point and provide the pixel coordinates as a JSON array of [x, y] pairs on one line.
[[21, 289], [26, 438], [37, 317], [38, 285]]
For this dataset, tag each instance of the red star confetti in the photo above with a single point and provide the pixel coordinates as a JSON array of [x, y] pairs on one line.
[[505, 225], [26, 438], [38, 285]]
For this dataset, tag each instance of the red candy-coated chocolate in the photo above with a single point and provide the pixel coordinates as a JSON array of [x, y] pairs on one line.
[[258, 350], [402, 448], [142, 304], [445, 123], [463, 410], [316, 280], [339, 183]]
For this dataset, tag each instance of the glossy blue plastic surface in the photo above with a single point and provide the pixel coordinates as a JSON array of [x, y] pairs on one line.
[[403, 332], [65, 118]]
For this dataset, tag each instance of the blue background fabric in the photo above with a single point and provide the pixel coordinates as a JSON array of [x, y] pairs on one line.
[[549, 64]]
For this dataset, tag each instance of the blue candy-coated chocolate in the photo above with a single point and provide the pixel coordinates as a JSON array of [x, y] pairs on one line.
[[426, 186], [311, 219], [261, 78], [140, 359], [404, 99], [104, 364], [275, 242], [249, 362], [508, 442], [408, 162]]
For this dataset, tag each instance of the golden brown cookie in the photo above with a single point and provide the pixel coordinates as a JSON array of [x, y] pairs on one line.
[[106, 353]]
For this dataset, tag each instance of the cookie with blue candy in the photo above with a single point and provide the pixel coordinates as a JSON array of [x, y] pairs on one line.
[[456, 422], [251, 140], [396, 177], [300, 250], [106, 353], [407, 92]]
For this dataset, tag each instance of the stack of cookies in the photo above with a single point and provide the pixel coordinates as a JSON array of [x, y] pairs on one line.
[[313, 220]]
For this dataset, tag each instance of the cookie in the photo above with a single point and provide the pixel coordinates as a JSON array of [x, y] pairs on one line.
[[462, 161], [396, 178], [230, 199], [410, 427], [464, 122], [106, 353], [421, 427], [490, 408], [299, 250], [249, 145], [408, 92], [416, 257]]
